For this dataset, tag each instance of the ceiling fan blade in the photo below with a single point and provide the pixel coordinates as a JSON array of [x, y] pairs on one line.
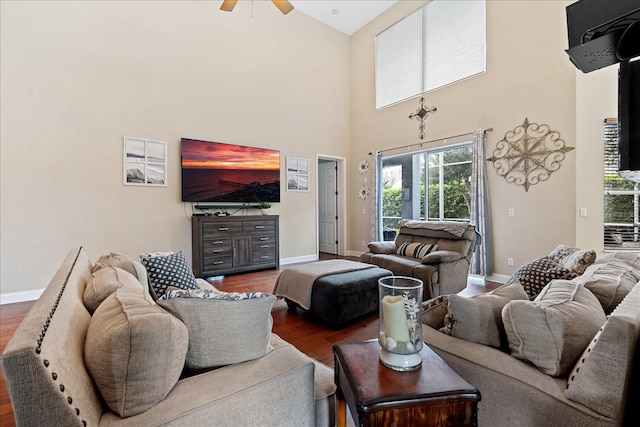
[[228, 5], [284, 6]]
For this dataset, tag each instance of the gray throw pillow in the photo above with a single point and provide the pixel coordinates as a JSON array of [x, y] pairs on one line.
[[134, 351], [479, 318], [609, 282], [224, 328], [553, 331], [104, 282]]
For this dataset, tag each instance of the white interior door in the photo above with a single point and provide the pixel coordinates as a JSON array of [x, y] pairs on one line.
[[327, 206]]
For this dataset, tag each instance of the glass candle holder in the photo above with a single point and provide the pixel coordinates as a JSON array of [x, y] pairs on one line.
[[400, 334]]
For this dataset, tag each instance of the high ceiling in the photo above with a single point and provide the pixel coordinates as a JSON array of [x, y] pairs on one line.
[[347, 16]]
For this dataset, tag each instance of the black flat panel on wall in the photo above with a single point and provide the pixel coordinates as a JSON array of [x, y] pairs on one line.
[[629, 115]]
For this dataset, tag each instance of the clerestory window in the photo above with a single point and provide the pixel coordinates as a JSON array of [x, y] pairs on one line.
[[439, 44]]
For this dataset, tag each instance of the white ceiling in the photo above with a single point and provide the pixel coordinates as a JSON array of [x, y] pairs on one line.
[[347, 16]]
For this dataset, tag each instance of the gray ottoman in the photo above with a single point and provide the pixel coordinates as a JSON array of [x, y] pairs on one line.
[[342, 297]]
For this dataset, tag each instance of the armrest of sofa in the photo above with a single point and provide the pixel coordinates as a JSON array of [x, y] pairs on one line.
[[382, 247], [440, 257]]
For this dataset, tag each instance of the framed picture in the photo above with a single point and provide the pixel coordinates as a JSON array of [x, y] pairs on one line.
[[145, 162], [297, 174]]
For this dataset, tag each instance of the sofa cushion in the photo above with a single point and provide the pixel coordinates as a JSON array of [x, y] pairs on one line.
[[416, 250], [575, 260], [134, 351], [609, 282], [434, 310], [165, 270], [535, 275], [479, 318], [104, 282], [224, 328], [552, 331]]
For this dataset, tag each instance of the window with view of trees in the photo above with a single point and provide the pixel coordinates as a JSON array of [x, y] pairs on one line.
[[621, 219], [405, 178]]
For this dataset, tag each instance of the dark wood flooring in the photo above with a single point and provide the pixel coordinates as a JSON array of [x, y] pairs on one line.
[[296, 327]]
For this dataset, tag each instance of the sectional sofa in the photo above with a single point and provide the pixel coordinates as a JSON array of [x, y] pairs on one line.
[[87, 356], [569, 357]]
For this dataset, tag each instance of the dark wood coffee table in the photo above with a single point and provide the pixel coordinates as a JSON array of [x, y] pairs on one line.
[[433, 395]]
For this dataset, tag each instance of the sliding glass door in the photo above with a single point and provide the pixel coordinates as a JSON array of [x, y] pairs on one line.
[[429, 184]]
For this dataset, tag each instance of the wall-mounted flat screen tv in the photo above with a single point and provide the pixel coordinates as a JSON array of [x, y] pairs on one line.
[[229, 173]]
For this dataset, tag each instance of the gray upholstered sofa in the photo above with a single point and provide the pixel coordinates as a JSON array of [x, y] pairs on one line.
[[443, 270], [600, 382], [49, 382]]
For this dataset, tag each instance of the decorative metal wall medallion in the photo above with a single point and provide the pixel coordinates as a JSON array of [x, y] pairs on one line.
[[529, 154], [363, 192], [363, 166], [421, 114]]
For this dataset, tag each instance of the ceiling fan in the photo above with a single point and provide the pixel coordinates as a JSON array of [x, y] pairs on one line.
[[284, 5]]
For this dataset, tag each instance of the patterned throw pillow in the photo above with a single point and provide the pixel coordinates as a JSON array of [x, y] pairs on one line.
[[534, 276], [416, 250], [434, 310], [171, 270], [211, 294], [574, 259]]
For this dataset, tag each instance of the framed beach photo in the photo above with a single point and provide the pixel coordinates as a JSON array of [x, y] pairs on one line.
[[145, 162], [297, 174]]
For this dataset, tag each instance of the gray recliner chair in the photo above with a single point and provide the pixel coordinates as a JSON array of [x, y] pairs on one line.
[[443, 270]]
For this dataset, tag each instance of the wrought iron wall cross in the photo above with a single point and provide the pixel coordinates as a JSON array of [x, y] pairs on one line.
[[421, 114]]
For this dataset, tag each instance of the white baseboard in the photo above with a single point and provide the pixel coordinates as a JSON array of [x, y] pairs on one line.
[[498, 278], [298, 259], [12, 297]]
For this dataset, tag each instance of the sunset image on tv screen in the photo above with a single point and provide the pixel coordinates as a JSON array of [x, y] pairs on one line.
[[218, 172]]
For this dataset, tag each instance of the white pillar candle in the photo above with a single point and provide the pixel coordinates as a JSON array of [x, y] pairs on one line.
[[395, 318]]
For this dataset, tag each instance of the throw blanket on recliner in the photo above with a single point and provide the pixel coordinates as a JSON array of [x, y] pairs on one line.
[[455, 228], [296, 283]]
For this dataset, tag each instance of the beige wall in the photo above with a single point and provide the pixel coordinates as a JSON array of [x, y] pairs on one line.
[[78, 76], [528, 75]]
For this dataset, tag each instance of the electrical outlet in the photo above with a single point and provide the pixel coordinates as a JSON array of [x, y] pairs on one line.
[[510, 262], [511, 212]]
